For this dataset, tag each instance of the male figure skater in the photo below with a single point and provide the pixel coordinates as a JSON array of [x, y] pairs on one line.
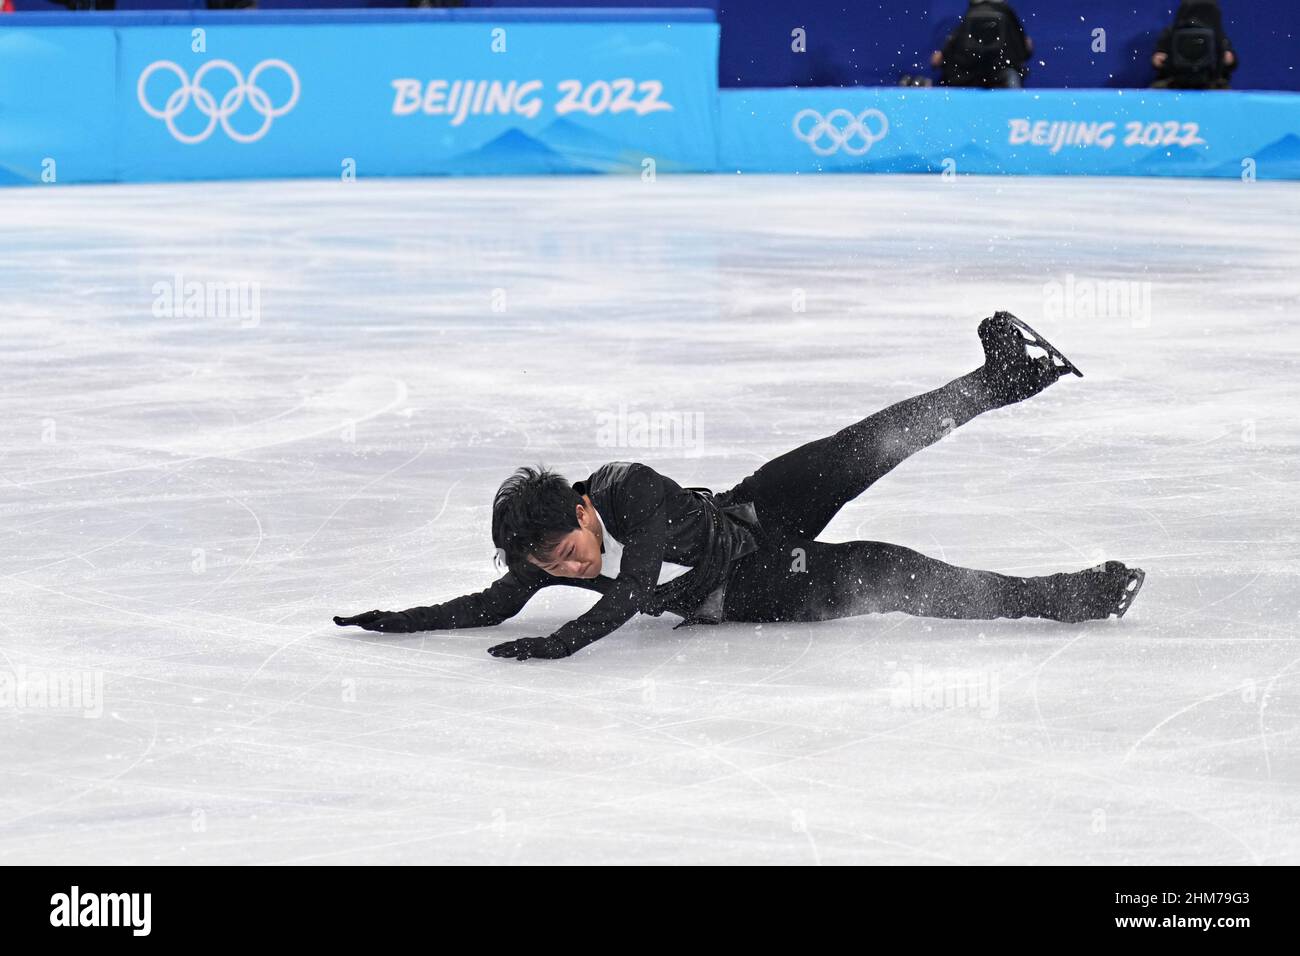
[[753, 552]]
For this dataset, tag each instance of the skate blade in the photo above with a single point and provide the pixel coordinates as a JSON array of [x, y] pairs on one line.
[[1132, 586], [1036, 339]]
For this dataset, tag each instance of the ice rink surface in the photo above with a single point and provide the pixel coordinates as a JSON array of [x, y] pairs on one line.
[[186, 499]]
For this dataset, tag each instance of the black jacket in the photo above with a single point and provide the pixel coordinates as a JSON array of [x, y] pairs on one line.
[[655, 520]]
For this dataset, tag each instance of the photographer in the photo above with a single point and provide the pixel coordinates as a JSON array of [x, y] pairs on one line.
[[1194, 53], [988, 49]]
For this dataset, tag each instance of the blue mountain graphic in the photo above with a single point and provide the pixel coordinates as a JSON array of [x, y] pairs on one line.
[[1278, 160], [975, 158], [902, 163], [589, 147], [1183, 159], [9, 177], [514, 152]]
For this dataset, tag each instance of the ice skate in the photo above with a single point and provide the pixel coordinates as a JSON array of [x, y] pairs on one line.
[[1133, 581], [1013, 374], [1094, 594]]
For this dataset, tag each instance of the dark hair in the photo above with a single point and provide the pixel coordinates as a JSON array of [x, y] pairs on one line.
[[533, 509]]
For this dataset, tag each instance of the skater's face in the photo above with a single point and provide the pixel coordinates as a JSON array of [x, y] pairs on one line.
[[577, 554]]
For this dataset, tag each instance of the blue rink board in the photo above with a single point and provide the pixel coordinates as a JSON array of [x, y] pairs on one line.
[[1029, 132], [190, 95], [173, 97]]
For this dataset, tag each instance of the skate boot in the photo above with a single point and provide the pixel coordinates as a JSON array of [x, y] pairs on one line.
[[1094, 594], [1012, 373]]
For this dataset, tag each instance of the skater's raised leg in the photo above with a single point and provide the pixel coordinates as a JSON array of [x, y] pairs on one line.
[[801, 491]]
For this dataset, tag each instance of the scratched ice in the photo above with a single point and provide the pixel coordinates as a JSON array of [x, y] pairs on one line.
[[192, 485]]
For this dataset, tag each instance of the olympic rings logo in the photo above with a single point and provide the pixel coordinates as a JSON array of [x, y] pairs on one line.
[[840, 129], [231, 101]]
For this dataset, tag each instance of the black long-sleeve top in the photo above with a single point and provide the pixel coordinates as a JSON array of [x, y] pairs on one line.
[[655, 520]]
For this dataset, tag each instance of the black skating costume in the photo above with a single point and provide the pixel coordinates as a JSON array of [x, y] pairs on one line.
[[753, 552]]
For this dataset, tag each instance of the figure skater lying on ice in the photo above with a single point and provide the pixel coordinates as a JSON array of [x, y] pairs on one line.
[[752, 551]]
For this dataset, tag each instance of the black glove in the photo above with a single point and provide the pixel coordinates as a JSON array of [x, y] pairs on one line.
[[373, 621], [548, 648]]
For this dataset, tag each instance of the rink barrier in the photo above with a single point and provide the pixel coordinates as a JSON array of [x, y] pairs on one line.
[[1019, 132], [131, 97], [195, 95]]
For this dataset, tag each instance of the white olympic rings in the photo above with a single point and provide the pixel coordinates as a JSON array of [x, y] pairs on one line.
[[839, 128], [206, 103]]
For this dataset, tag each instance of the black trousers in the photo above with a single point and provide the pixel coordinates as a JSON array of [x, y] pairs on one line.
[[793, 577]]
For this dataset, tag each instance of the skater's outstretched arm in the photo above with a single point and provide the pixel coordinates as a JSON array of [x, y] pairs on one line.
[[504, 599], [643, 509]]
